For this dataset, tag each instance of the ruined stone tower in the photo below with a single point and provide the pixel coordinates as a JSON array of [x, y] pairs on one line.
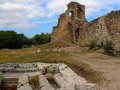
[[70, 23], [76, 11], [72, 26]]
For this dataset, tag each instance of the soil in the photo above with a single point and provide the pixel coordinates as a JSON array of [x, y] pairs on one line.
[[108, 65]]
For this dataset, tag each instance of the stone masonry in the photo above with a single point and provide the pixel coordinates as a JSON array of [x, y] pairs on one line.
[[72, 26], [42, 76]]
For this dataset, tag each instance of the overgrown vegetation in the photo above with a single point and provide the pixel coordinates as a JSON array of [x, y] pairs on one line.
[[107, 46], [12, 40]]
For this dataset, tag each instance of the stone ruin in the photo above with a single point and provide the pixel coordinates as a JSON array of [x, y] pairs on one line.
[[41, 76], [72, 26]]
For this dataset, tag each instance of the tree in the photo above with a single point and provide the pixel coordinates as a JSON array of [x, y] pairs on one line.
[[12, 40], [41, 38]]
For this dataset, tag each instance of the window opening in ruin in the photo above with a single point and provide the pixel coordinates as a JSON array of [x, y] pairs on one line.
[[71, 14], [77, 35]]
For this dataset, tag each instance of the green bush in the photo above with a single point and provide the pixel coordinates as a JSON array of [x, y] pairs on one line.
[[106, 46], [27, 46], [109, 49], [94, 46]]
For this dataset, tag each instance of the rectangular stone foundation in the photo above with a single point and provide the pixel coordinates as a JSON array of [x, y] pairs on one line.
[[48, 77]]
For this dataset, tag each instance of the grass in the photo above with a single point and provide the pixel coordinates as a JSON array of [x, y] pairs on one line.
[[54, 45], [23, 56]]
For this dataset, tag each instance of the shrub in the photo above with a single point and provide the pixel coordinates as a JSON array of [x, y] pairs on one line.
[[94, 46], [27, 46], [106, 46], [109, 49]]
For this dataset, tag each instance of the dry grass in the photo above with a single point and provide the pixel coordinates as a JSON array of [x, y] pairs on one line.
[[23, 56], [54, 45]]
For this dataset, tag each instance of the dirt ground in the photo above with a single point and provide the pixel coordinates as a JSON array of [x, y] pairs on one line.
[[108, 65]]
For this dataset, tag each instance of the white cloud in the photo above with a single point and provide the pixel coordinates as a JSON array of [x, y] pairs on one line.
[[59, 6], [19, 13], [12, 6]]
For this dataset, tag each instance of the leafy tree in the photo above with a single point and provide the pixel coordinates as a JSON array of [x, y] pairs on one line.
[[12, 40], [41, 38]]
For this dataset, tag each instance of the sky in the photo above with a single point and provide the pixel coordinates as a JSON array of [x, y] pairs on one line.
[[32, 17]]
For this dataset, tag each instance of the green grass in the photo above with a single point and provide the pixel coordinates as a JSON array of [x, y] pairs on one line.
[[23, 56], [54, 45]]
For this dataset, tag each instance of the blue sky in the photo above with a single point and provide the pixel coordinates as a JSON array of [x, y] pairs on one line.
[[35, 16]]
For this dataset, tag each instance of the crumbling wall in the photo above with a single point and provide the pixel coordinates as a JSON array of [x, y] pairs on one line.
[[72, 26], [69, 23], [104, 28], [96, 30], [113, 25], [61, 31]]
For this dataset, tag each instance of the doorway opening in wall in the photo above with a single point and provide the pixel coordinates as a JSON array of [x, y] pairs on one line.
[[77, 35]]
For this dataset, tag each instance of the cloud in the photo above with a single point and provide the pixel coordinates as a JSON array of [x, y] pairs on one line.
[[12, 6], [22, 13], [58, 7]]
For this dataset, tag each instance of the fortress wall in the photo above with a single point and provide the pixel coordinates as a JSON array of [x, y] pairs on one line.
[[61, 30], [72, 26], [68, 22], [96, 30], [112, 21]]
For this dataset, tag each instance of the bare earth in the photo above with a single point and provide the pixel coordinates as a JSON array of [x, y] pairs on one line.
[[110, 66]]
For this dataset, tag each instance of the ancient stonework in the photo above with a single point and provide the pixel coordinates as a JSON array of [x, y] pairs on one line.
[[42, 76], [72, 26]]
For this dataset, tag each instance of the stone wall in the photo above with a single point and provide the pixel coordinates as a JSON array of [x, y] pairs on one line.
[[69, 22], [113, 25], [72, 26], [96, 30]]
